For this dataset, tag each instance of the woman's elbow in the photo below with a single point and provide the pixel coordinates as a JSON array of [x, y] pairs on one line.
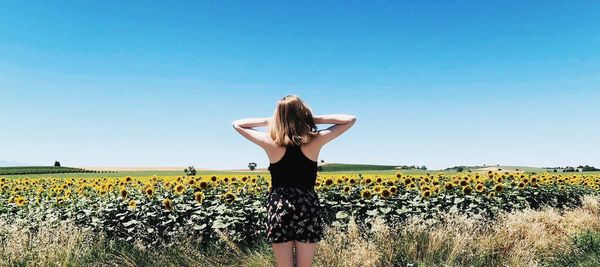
[[352, 119]]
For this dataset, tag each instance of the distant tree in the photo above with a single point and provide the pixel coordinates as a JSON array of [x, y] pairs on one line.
[[460, 169], [252, 166], [190, 171], [423, 167], [588, 168], [56, 164], [555, 170]]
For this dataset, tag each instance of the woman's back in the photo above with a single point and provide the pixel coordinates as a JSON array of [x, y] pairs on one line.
[[294, 169]]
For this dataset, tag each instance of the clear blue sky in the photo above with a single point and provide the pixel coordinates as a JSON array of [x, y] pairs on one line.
[[436, 83]]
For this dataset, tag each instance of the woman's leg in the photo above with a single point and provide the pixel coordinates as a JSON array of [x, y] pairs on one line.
[[305, 253], [284, 253]]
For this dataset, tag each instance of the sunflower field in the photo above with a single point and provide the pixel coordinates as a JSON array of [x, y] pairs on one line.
[[158, 210]]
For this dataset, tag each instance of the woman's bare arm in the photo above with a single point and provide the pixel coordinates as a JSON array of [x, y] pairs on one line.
[[342, 122], [334, 119], [245, 128], [252, 122]]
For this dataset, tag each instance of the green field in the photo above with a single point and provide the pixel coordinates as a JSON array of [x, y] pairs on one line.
[[331, 168], [27, 170]]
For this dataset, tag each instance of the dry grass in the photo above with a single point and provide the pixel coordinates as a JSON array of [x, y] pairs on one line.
[[523, 238], [348, 248], [59, 245]]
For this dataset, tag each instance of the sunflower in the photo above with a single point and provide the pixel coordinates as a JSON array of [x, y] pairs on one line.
[[448, 185], [167, 203], [480, 188], [521, 185], [179, 188], [467, 189], [132, 204], [123, 192], [199, 196], [203, 184], [365, 193], [426, 193], [492, 194], [393, 189], [213, 178], [377, 188], [20, 201], [463, 183], [328, 181], [149, 191], [229, 197], [346, 189], [339, 180], [385, 193], [412, 186], [499, 187], [352, 181], [407, 181]]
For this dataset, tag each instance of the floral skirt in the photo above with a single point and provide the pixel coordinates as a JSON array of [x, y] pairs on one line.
[[294, 214]]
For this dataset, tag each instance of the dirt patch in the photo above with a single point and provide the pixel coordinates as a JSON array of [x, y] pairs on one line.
[[140, 168]]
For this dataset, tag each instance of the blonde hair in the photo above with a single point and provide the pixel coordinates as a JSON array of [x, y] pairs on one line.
[[293, 122]]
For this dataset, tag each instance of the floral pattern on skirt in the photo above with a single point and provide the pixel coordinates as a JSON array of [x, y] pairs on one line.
[[294, 214]]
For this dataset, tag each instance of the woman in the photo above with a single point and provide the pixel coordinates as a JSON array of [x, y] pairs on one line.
[[293, 144]]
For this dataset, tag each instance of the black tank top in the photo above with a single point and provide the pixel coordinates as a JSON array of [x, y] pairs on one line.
[[293, 170]]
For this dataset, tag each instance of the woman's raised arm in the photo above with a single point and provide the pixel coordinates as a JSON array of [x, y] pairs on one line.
[[342, 123], [334, 119], [245, 128], [252, 122]]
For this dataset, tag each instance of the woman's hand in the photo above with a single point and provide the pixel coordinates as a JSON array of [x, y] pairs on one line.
[[334, 119]]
